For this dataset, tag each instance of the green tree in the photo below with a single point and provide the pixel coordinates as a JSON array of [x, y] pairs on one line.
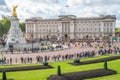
[[6, 25], [0, 29], [22, 26], [118, 30]]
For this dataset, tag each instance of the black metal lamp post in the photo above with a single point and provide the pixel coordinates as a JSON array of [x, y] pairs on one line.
[[58, 33], [11, 48], [32, 41], [100, 37], [110, 38], [94, 38], [49, 35]]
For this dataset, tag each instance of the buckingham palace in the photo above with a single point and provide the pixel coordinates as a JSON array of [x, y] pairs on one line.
[[71, 27]]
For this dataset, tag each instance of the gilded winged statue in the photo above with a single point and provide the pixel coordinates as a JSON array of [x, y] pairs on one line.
[[14, 11]]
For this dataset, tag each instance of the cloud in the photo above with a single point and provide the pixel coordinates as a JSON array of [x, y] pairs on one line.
[[88, 8], [53, 8], [45, 1], [3, 9], [35, 8], [2, 2]]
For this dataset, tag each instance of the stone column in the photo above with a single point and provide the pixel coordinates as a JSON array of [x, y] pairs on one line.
[[63, 28], [34, 29], [113, 28], [72, 30], [67, 27], [101, 27], [60, 29]]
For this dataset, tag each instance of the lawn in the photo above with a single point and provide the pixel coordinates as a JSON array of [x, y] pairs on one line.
[[43, 74], [21, 65], [18, 65]]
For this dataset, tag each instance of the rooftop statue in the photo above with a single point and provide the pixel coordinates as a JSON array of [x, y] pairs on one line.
[[14, 11]]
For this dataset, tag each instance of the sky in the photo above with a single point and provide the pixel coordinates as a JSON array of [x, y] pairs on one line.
[[53, 8]]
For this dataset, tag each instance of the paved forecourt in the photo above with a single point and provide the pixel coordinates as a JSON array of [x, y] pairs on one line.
[[72, 50]]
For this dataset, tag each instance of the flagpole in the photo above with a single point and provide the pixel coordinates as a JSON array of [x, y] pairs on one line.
[[67, 9]]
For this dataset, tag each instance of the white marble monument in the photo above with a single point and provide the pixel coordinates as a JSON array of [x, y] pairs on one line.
[[15, 35]]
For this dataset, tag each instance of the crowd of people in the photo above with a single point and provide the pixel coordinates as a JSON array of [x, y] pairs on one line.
[[43, 49], [100, 48], [4, 60]]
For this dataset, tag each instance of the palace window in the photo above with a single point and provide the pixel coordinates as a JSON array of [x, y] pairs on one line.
[[99, 24], [99, 29], [111, 29], [111, 24], [83, 29]]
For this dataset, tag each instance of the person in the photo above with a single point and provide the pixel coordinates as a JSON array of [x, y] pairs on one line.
[[22, 60], [2, 58], [16, 60], [10, 61]]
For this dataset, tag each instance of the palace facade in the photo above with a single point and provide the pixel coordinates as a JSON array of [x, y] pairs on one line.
[[71, 27]]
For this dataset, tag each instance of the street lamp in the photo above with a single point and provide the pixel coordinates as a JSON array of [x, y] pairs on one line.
[[32, 40], [100, 37], [49, 35], [94, 37], [110, 38], [11, 47], [58, 33]]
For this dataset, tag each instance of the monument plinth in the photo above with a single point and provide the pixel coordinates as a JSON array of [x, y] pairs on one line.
[[15, 35]]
